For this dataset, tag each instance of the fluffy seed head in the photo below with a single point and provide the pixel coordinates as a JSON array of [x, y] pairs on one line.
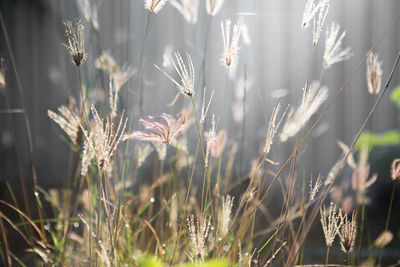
[[333, 47], [374, 74], [154, 5], [384, 239], [103, 138], [68, 120], [224, 215], [198, 233], [213, 6], [76, 41], [348, 233], [331, 221], [313, 97], [231, 45], [186, 73], [395, 170], [160, 132], [89, 11], [188, 8], [314, 188], [319, 20], [2, 74]]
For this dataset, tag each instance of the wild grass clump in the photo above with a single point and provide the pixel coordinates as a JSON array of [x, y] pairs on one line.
[[167, 190]]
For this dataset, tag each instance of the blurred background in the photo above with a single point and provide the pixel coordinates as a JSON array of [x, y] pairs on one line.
[[275, 59]]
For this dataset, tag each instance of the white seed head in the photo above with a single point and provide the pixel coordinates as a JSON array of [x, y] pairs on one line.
[[186, 74], [333, 47], [188, 8], [313, 98], [374, 74], [331, 221], [319, 20], [224, 215], [231, 42], [76, 41], [213, 6], [198, 233], [154, 5]]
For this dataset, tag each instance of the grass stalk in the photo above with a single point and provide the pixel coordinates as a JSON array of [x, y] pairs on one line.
[[388, 217]]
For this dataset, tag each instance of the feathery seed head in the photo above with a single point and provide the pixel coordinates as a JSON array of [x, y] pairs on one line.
[[76, 41], [213, 6], [198, 233], [160, 132], [216, 142], [384, 239], [154, 5], [107, 63], [103, 138], [319, 20], [210, 137], [68, 120], [374, 74], [314, 188], [331, 221], [2, 74], [186, 73], [272, 128], [188, 8], [333, 47], [87, 156], [395, 170], [224, 215], [348, 233], [359, 179], [313, 97], [119, 75], [231, 45], [308, 14], [89, 12]]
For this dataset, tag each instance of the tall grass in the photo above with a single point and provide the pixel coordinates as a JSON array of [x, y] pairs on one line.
[[172, 199]]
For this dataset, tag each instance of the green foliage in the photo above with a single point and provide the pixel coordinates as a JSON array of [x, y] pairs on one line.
[[373, 140], [395, 96], [209, 263], [150, 262]]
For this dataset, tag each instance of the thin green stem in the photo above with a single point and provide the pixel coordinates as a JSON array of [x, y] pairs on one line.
[[98, 217], [223, 127]]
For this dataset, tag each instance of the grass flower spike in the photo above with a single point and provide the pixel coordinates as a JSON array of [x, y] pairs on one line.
[[348, 233], [213, 6], [374, 74], [231, 43], [154, 5], [160, 132], [186, 73], [76, 41], [313, 97], [309, 13], [68, 120], [383, 239], [395, 170], [198, 233], [103, 138], [89, 11], [224, 215], [333, 47], [188, 8], [2, 74], [331, 221], [319, 20]]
